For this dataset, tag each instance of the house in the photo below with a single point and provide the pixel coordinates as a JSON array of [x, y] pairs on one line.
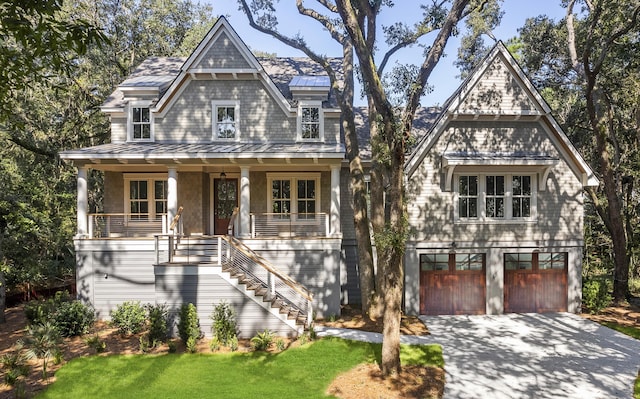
[[225, 179]]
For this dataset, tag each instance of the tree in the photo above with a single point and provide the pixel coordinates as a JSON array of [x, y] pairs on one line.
[[359, 17], [53, 105], [583, 65]]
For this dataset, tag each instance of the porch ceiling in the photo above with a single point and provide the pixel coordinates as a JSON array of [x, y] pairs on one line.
[[206, 153]]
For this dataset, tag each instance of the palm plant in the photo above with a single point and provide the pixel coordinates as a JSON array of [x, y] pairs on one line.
[[42, 341]]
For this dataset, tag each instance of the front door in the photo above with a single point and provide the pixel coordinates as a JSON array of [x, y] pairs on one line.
[[225, 199]]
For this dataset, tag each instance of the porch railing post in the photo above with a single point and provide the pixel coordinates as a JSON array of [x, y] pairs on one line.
[[271, 281], [326, 225], [108, 226], [220, 250], [90, 226], [309, 312], [170, 248], [253, 225], [157, 248]]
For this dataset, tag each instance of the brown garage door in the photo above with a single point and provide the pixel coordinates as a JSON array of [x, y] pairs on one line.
[[535, 282], [452, 284]]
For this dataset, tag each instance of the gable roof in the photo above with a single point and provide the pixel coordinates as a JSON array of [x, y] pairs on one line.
[[474, 98], [220, 53]]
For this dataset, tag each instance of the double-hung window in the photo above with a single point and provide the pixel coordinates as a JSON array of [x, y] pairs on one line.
[[495, 197], [294, 194], [145, 197], [226, 125], [140, 123], [310, 122]]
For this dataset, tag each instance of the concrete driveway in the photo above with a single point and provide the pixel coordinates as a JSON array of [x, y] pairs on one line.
[[558, 355]]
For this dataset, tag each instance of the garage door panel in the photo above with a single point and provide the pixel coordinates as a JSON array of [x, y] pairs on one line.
[[452, 293]]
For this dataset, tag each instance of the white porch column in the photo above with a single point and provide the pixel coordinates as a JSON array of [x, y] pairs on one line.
[[172, 196], [334, 217], [83, 203], [245, 202]]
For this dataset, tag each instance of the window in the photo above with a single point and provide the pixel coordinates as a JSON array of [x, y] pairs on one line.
[[468, 196], [145, 197], [140, 126], [536, 261], [226, 120], [306, 198], [452, 262], [296, 193], [521, 196], [310, 122], [495, 197]]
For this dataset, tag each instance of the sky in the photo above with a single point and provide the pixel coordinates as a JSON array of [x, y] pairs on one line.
[[444, 78]]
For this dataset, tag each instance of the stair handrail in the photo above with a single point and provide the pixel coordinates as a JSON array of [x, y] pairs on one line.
[[176, 219], [264, 263]]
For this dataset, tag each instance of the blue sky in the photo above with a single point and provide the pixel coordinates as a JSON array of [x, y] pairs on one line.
[[444, 78]]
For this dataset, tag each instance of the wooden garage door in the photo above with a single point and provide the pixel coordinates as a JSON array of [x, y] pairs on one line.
[[452, 284], [535, 282]]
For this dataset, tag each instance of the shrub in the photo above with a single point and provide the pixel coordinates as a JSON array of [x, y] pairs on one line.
[[129, 318], [96, 343], [192, 345], [42, 341], [73, 318], [189, 325], [262, 341], [16, 367], [224, 322], [233, 344], [214, 344], [42, 311], [144, 343], [158, 315], [172, 347], [595, 294], [280, 345]]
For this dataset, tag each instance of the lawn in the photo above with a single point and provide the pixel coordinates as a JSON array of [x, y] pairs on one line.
[[632, 332], [304, 371]]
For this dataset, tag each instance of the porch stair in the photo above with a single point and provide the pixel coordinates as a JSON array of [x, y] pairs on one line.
[[247, 269]]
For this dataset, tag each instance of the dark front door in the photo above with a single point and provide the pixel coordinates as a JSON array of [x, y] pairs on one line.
[[225, 199]]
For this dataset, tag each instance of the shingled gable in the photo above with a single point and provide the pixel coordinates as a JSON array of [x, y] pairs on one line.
[[220, 54], [498, 88]]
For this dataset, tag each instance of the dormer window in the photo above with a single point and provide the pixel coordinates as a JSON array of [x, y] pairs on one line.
[[140, 125], [310, 122], [225, 123]]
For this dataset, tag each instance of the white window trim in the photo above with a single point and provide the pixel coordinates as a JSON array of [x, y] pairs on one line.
[[293, 178], [150, 178], [215, 104], [310, 104], [508, 196], [140, 104]]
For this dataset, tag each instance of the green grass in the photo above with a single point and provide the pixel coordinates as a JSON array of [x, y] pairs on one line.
[[300, 372], [633, 332]]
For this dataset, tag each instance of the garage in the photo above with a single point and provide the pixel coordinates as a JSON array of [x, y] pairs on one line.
[[535, 282], [452, 283]]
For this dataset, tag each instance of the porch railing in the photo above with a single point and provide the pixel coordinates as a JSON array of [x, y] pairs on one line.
[[105, 225], [239, 257], [286, 225]]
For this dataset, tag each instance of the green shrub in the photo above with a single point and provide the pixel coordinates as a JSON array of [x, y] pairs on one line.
[[280, 345], [96, 343], [145, 345], [15, 366], [224, 322], [129, 318], [595, 294], [189, 325], [233, 344], [158, 330], [41, 311], [192, 345], [73, 318], [262, 341], [172, 347], [214, 344]]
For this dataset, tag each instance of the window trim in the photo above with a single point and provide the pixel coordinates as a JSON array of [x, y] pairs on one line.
[[310, 104], [293, 178], [508, 198], [140, 104], [150, 178], [215, 104], [452, 262], [535, 261]]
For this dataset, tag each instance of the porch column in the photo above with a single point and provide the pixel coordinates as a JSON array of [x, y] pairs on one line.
[[334, 217], [245, 202], [83, 203], [172, 195]]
